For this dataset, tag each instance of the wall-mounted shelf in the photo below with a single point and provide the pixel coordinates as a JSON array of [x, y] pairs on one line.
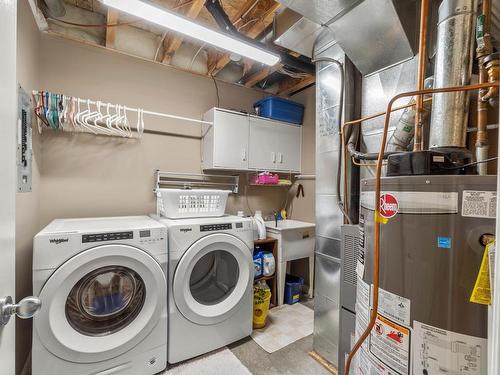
[[195, 181], [272, 185]]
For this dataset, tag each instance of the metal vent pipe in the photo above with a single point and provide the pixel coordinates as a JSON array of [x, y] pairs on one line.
[[453, 67]]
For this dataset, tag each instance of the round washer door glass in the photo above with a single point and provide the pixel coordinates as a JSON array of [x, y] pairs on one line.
[[214, 277], [105, 300]]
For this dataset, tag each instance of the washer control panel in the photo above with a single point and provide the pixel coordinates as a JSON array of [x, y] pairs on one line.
[[100, 237], [149, 236], [214, 227]]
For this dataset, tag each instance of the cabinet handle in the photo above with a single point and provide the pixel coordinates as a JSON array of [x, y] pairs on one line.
[[244, 155], [273, 157], [280, 157]]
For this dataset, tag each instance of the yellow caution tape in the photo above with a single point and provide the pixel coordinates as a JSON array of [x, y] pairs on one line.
[[482, 289], [379, 218]]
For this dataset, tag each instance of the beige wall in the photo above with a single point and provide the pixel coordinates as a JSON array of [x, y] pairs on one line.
[[27, 204], [85, 175]]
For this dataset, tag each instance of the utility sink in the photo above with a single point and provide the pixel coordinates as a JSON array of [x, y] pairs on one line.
[[289, 224], [296, 240]]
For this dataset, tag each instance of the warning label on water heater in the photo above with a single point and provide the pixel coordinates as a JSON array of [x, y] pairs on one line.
[[390, 343], [479, 204]]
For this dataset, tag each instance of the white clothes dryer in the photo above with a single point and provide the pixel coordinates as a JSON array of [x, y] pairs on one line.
[[210, 282], [102, 284]]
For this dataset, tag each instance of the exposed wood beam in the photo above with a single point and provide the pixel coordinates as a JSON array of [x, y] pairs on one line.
[[261, 74], [264, 21], [112, 18], [249, 4], [292, 85], [173, 43]]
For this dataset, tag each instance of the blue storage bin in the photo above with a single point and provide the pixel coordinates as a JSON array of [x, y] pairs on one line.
[[293, 288], [280, 109]]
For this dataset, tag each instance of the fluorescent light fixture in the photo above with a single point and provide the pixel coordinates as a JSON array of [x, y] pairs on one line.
[[187, 27]]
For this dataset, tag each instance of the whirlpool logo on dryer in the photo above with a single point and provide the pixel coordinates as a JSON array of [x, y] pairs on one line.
[[58, 241], [185, 230]]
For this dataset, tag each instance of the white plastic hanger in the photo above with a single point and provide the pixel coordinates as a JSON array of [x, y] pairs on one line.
[[82, 116], [140, 122]]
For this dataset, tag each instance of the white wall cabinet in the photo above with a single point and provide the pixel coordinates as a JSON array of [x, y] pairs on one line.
[[274, 145], [225, 143], [237, 141]]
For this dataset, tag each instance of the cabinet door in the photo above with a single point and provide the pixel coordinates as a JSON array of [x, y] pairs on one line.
[[230, 140], [288, 147], [262, 144]]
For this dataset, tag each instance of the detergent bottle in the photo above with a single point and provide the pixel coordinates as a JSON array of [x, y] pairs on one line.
[[259, 225]]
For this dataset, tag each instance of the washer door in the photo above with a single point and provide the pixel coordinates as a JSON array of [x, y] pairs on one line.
[[212, 278], [101, 303]]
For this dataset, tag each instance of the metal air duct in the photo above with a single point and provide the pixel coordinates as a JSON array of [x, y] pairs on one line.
[[453, 67], [375, 34]]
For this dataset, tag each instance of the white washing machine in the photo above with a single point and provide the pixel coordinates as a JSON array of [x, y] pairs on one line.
[[210, 281], [102, 284]]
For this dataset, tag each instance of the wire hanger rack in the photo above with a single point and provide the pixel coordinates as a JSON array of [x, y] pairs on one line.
[[73, 114]]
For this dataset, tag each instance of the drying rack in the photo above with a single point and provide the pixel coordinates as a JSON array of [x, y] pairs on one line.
[[174, 180]]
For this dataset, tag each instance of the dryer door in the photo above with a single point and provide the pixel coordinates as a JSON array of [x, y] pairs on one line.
[[212, 278], [101, 303]]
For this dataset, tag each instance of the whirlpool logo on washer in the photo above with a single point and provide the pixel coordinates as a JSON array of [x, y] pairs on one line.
[[58, 241], [185, 230]]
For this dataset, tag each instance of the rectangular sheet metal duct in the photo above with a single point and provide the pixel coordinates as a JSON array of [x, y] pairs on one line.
[[375, 34], [298, 33]]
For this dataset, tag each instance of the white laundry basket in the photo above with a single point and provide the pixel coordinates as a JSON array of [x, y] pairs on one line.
[[183, 203]]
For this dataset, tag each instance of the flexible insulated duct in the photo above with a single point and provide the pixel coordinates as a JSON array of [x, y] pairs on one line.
[[405, 129], [453, 67], [55, 8]]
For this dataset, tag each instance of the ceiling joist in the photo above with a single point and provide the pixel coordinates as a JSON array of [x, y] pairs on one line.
[[173, 43], [293, 85], [112, 19], [261, 74], [260, 25]]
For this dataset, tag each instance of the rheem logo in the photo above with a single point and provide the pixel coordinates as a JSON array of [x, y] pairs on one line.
[[388, 205]]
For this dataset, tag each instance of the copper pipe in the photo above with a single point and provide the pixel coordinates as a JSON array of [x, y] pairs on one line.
[[358, 122], [376, 257], [487, 15], [422, 54], [365, 164], [482, 110], [493, 68], [482, 106], [379, 114]]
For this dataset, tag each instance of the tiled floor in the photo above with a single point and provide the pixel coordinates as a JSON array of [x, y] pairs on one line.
[[292, 359]]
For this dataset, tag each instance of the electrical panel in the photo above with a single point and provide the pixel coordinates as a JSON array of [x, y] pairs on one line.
[[24, 141]]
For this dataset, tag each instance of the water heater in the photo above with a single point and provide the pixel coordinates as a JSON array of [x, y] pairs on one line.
[[432, 243]]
